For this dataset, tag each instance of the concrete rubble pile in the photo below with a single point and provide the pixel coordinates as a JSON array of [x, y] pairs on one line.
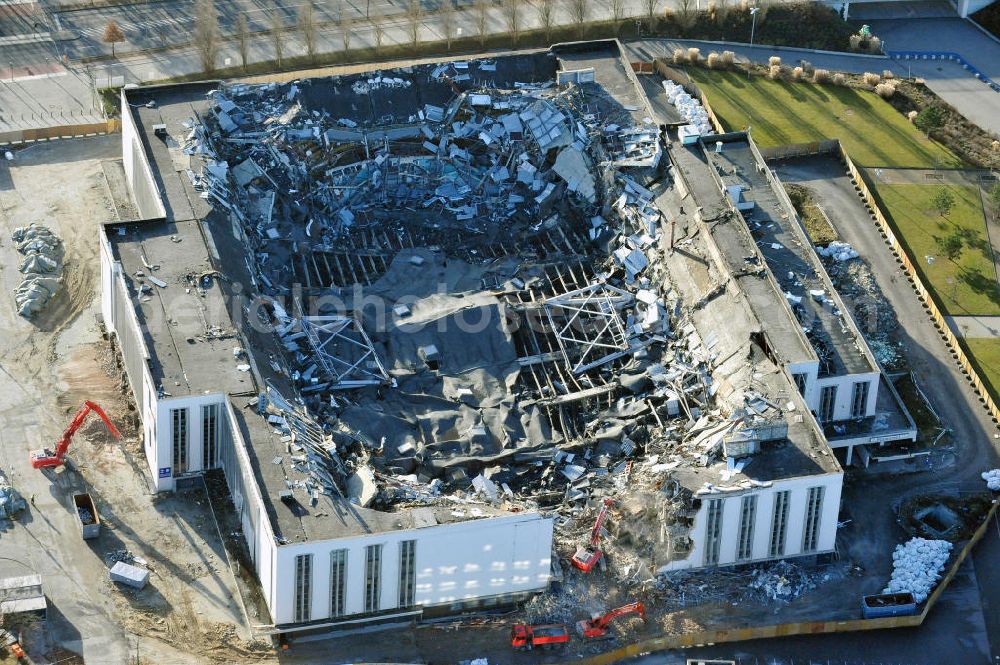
[[917, 566], [780, 581], [877, 321], [11, 501], [528, 205], [42, 268]]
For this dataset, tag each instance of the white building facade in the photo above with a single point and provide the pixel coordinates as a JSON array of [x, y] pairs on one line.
[[792, 517]]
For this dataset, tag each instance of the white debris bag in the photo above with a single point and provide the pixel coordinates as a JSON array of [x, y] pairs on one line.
[[917, 566], [992, 479], [42, 268], [838, 251]]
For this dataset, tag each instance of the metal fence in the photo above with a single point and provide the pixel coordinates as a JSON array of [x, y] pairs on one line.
[[801, 149], [33, 135]]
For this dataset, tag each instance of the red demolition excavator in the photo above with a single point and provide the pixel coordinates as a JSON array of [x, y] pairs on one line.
[[599, 626], [44, 458], [587, 557]]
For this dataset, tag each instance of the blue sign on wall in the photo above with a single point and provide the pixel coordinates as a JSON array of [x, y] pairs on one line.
[[165, 472]]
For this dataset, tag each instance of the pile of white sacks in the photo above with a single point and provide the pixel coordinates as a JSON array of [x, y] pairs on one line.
[[992, 479], [917, 565], [689, 107], [838, 251], [42, 268]]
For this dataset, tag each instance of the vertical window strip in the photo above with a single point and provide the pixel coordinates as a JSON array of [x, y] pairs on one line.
[[748, 515], [338, 570], [373, 577], [407, 572], [180, 439], [814, 508], [303, 587], [210, 436], [860, 402], [827, 403], [713, 532], [779, 523]]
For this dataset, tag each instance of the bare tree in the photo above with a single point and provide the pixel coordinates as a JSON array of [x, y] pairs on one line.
[[414, 15], [447, 12], [579, 9], [378, 32], [346, 27], [617, 11], [206, 33], [112, 35], [650, 6], [721, 10], [686, 13], [512, 16], [277, 25], [243, 38], [546, 15], [307, 26], [482, 19]]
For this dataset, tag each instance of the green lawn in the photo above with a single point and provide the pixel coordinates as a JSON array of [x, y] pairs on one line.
[[986, 357], [872, 131], [966, 284]]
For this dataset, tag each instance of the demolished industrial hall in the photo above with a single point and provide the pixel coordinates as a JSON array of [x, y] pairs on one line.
[[429, 321]]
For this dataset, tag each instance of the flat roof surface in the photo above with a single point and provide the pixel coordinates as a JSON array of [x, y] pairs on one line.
[[186, 325], [614, 92], [711, 252], [794, 263], [741, 255]]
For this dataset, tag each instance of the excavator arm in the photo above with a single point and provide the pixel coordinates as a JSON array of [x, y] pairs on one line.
[[598, 625], [45, 458], [595, 534]]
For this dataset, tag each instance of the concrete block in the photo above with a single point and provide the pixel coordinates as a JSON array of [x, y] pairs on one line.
[[128, 574]]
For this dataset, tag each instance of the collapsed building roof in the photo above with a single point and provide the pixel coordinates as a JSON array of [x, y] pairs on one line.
[[445, 292]]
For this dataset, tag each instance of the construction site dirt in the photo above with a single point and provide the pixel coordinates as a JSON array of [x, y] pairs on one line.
[[49, 366]]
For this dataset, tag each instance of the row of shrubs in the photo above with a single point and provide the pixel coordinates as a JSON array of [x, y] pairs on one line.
[[883, 83]]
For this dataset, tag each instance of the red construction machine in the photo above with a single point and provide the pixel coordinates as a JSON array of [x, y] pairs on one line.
[[588, 557], [44, 457], [599, 626], [548, 636]]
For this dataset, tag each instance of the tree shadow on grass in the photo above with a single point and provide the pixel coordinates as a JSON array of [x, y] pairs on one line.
[[733, 79], [816, 90], [977, 242], [980, 284], [794, 89]]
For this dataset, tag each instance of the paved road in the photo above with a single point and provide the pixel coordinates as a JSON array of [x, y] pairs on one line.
[[164, 22], [974, 326]]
